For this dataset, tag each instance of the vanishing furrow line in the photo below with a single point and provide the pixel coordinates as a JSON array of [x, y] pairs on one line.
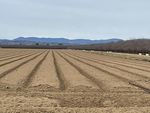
[[8, 56], [125, 65], [17, 66], [62, 80], [88, 76], [14, 56], [131, 63], [112, 74], [29, 78], [100, 62], [27, 55]]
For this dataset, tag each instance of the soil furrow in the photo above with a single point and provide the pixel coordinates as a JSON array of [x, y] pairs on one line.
[[92, 79], [63, 82], [29, 78], [125, 61], [128, 66], [77, 82], [119, 77], [112, 66], [45, 77], [24, 56], [6, 57], [17, 66], [125, 64], [15, 53]]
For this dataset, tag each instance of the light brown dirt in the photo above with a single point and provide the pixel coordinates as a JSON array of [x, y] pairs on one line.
[[17, 76], [75, 79], [68, 81], [4, 68], [131, 76], [46, 75], [109, 82]]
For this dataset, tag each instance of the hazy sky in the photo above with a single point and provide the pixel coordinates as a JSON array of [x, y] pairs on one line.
[[93, 19]]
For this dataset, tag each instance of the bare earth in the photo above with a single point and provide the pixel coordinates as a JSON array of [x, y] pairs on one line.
[[73, 81]]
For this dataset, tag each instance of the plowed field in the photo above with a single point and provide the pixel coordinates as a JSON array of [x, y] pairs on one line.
[[66, 81]]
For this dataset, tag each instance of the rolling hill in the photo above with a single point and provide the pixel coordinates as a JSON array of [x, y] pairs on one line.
[[54, 41]]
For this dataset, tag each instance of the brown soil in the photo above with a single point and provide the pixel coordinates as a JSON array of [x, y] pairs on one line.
[[66, 81]]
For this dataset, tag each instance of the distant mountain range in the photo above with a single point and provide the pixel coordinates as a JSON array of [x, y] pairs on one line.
[[116, 45], [53, 41]]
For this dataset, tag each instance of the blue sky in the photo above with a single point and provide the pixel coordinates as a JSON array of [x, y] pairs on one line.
[[89, 19]]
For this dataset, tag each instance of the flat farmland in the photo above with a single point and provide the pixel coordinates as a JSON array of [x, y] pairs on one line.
[[66, 81]]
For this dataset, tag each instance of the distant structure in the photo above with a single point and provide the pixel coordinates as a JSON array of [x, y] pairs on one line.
[[109, 51], [147, 54], [140, 53]]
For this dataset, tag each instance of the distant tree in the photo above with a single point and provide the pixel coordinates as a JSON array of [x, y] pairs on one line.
[[37, 44], [20, 44], [47, 44], [60, 44]]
